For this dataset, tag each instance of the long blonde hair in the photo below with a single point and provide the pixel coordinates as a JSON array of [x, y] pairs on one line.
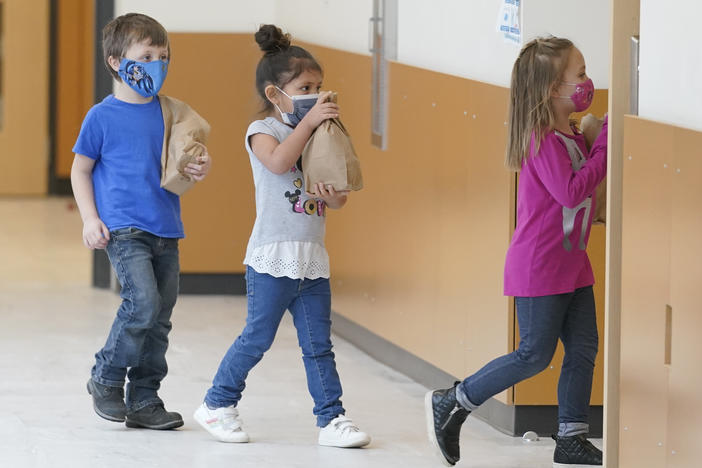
[[536, 71]]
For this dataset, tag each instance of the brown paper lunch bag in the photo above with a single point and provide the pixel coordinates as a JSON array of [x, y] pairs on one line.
[[329, 157], [184, 137]]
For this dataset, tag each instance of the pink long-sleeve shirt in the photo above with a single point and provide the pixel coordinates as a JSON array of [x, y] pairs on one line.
[[555, 204]]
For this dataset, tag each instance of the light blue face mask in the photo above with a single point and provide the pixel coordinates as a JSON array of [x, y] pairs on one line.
[[302, 103], [146, 78]]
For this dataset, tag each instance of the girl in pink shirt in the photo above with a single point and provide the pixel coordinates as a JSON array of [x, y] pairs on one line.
[[547, 268]]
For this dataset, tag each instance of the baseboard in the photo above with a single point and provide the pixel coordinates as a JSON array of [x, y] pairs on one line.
[[213, 283], [513, 420], [102, 270], [60, 186], [190, 283]]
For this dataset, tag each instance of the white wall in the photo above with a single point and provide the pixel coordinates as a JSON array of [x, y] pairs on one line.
[[670, 73], [203, 15], [339, 24], [586, 23], [457, 37]]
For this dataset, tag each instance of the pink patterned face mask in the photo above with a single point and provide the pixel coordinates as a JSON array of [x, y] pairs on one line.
[[582, 96]]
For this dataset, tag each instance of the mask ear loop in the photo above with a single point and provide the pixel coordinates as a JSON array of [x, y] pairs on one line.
[[283, 115], [560, 83], [289, 97]]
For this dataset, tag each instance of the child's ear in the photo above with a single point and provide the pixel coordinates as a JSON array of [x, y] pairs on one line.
[[272, 94], [114, 62]]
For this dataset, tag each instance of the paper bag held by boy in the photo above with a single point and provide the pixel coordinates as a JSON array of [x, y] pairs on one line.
[[184, 137]]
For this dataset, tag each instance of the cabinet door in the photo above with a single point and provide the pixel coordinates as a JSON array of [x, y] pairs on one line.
[[684, 399], [24, 96], [646, 222]]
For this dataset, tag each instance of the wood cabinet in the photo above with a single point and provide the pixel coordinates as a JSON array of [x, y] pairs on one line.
[[660, 405]]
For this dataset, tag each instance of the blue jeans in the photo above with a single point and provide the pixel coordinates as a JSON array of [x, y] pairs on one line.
[[148, 270], [542, 321], [309, 302]]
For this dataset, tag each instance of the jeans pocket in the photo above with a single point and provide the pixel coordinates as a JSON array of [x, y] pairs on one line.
[[125, 233]]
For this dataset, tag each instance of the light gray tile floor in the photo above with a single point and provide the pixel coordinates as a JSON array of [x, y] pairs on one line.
[[52, 322]]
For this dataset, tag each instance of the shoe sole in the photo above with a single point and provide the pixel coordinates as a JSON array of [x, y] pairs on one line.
[[565, 465], [359, 444], [100, 413], [204, 425], [157, 427], [429, 413]]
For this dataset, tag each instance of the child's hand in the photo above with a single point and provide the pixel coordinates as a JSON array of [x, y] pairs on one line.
[[331, 197], [591, 127], [95, 234], [199, 171], [321, 111]]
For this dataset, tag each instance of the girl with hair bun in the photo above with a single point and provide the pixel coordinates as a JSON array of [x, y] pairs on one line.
[[287, 266]]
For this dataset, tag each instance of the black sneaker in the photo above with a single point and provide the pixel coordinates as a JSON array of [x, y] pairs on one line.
[[575, 452], [154, 417], [444, 420], [108, 402]]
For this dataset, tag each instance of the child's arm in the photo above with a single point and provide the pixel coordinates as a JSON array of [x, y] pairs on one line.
[[280, 157], [331, 197], [553, 166], [95, 233]]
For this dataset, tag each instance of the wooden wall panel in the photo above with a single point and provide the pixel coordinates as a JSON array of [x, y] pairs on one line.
[[25, 81], [417, 255], [624, 25], [214, 73], [685, 379], [75, 29], [646, 240]]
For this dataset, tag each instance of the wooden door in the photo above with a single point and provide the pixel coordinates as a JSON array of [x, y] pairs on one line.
[[24, 96]]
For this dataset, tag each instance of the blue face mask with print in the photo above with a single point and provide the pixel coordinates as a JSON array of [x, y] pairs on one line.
[[146, 78], [302, 104]]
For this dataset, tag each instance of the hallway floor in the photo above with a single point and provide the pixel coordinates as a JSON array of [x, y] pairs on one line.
[[52, 322]]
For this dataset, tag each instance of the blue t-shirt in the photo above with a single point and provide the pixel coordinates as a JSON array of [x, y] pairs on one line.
[[125, 140]]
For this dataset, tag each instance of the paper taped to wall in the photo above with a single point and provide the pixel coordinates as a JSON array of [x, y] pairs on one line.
[[508, 22]]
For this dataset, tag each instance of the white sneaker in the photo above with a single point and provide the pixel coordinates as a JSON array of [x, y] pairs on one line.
[[341, 432], [223, 423]]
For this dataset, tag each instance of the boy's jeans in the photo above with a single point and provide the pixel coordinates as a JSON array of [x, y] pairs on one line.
[[148, 270], [309, 302], [542, 321]]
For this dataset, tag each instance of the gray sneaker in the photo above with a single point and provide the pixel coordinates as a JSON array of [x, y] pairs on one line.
[[108, 402], [154, 417]]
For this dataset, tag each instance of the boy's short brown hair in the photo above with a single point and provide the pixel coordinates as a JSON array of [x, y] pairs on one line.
[[123, 31]]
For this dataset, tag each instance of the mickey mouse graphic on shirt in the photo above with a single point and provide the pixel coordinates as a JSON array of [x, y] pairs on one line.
[[309, 206]]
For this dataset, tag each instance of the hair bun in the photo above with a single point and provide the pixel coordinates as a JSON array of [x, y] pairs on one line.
[[270, 39]]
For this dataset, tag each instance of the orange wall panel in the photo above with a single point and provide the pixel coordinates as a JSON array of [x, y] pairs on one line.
[[74, 76], [214, 73], [25, 131]]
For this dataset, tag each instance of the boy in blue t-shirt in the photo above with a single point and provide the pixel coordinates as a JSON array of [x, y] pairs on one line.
[[116, 177]]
